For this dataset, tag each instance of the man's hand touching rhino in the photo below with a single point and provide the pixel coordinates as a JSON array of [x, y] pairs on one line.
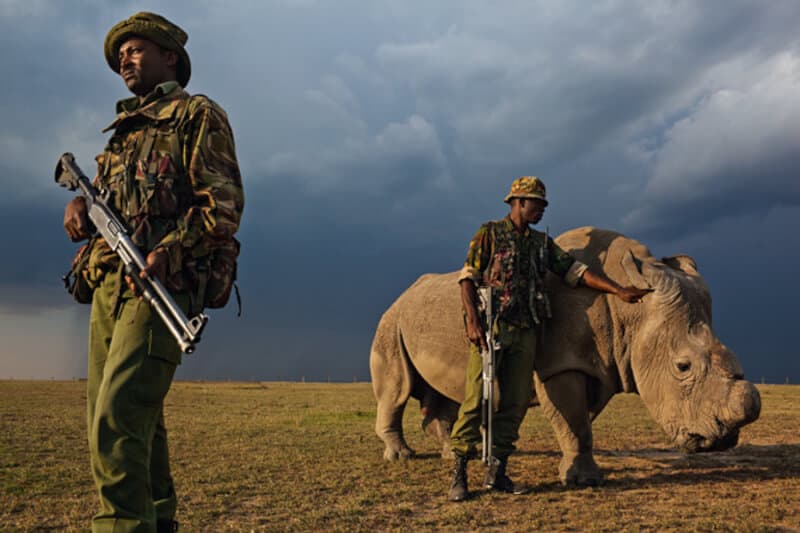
[[475, 333], [600, 282], [632, 294]]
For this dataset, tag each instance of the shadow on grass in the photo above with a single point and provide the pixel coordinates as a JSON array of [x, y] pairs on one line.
[[670, 466], [520, 453], [537, 453], [748, 463], [427, 455]]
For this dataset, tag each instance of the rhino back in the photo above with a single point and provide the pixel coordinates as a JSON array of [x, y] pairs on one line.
[[430, 319]]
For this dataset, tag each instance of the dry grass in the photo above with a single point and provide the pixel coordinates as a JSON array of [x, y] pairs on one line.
[[303, 457]]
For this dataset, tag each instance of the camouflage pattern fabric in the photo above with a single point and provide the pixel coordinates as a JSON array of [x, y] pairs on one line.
[[171, 168], [515, 263], [527, 187]]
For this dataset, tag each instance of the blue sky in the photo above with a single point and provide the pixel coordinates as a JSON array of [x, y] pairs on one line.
[[374, 137]]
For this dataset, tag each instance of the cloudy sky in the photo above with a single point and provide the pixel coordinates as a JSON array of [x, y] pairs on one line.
[[375, 136]]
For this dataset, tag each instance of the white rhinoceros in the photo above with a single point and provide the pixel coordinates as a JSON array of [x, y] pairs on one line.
[[594, 347]]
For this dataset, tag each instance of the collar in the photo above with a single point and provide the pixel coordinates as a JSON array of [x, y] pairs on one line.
[[129, 105], [157, 105], [509, 225]]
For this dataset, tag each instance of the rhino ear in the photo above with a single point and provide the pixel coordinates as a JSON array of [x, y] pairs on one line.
[[632, 267], [681, 262]]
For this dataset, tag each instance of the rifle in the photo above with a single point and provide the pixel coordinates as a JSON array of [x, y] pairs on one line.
[[488, 375], [541, 293], [111, 227]]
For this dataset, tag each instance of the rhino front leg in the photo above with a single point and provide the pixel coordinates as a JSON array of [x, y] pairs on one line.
[[564, 403]]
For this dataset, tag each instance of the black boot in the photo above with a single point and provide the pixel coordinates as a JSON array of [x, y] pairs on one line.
[[496, 478], [166, 526], [458, 489]]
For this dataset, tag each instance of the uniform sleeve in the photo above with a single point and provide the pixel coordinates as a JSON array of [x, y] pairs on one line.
[[217, 195], [564, 265], [477, 256]]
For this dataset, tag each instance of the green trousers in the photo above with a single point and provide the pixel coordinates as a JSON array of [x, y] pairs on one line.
[[514, 372], [132, 359]]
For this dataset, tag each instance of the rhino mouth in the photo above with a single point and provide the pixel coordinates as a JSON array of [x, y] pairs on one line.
[[723, 439]]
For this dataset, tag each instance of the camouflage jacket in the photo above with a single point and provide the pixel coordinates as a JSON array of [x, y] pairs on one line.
[[515, 263], [171, 169]]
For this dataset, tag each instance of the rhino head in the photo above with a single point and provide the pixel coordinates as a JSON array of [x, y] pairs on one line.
[[691, 383]]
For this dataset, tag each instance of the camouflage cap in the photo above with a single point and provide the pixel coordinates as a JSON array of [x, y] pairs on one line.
[[527, 187], [154, 28]]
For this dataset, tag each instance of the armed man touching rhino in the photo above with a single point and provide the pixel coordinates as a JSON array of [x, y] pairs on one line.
[[511, 258], [579, 319], [171, 175]]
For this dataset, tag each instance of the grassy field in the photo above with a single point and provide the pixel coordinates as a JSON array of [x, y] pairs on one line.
[[304, 457]]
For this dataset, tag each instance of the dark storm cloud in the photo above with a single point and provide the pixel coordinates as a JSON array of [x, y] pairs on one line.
[[374, 137], [749, 263], [27, 228], [313, 291], [735, 154], [560, 85]]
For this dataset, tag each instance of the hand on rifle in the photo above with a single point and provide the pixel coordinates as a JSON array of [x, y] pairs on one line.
[[469, 298], [157, 261], [475, 333], [76, 220]]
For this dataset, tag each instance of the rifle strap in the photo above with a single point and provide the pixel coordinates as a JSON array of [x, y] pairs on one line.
[[238, 298], [198, 295]]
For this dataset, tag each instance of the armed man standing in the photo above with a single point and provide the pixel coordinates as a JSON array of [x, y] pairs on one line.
[[170, 168], [512, 259]]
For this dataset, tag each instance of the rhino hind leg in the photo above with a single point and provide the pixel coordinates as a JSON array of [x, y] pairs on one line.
[[438, 415], [388, 426], [564, 402], [392, 382]]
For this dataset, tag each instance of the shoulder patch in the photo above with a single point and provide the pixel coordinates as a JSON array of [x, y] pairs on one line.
[[201, 102]]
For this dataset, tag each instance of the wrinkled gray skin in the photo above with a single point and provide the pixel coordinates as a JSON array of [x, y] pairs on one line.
[[595, 346]]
